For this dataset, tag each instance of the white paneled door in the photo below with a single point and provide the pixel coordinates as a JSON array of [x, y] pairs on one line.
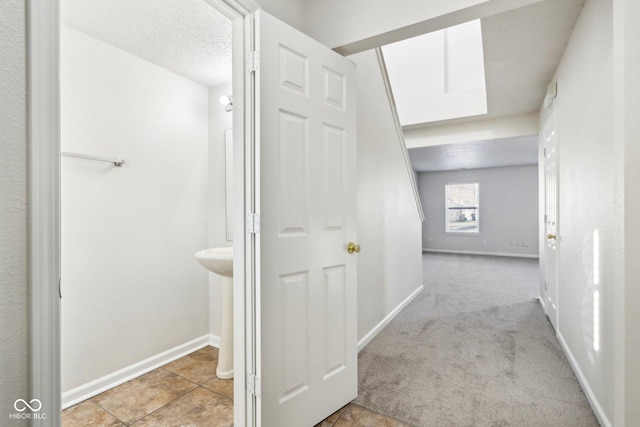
[[551, 221], [306, 196]]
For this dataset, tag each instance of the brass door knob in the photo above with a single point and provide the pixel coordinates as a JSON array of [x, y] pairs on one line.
[[352, 247], [551, 236]]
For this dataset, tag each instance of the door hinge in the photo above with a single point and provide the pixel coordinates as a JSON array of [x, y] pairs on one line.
[[545, 286], [544, 152], [253, 223], [253, 385], [253, 61]]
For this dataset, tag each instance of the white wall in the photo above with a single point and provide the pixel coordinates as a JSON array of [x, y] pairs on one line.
[[13, 210], [219, 122], [390, 264], [591, 197], [508, 210], [131, 286]]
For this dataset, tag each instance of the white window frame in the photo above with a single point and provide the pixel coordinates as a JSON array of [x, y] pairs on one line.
[[446, 209]]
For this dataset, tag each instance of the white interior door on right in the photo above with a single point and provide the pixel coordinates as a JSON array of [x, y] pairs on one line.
[[307, 284], [551, 220]]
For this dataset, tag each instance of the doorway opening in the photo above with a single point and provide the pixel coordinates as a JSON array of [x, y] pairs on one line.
[[45, 188], [141, 82]]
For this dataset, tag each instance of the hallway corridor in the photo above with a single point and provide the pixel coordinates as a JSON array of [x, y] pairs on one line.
[[473, 349]]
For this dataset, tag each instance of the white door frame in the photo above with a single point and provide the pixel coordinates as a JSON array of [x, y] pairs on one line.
[[43, 23]]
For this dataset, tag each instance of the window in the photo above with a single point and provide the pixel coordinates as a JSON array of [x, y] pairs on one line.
[[462, 208]]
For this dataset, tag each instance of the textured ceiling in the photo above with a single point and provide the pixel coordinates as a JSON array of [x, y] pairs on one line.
[[522, 49], [476, 154], [187, 37]]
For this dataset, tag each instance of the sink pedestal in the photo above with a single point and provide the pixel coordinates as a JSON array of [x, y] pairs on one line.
[[220, 261], [225, 355]]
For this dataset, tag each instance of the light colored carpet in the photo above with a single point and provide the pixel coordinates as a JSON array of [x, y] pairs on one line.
[[473, 349]]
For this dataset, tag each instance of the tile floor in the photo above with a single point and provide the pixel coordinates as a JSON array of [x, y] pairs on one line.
[[186, 392]]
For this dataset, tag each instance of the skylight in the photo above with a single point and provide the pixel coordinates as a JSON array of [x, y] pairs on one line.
[[439, 75]]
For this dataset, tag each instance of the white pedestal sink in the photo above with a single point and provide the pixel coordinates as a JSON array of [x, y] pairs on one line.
[[220, 261]]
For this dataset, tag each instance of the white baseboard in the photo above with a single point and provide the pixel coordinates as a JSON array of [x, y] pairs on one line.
[[95, 387], [593, 401], [380, 326], [214, 341], [447, 251]]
